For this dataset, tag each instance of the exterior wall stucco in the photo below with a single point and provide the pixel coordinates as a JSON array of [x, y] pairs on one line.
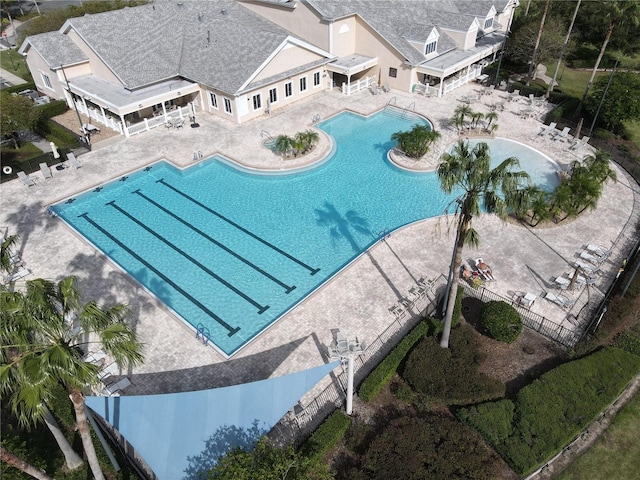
[[345, 43], [290, 56], [37, 67]]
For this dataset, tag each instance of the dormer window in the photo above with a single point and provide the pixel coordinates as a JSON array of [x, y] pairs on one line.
[[488, 23], [430, 48], [431, 44]]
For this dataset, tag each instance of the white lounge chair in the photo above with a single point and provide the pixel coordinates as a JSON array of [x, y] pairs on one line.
[[577, 145], [46, 171], [116, 387], [587, 268], [591, 258], [598, 250], [23, 272], [562, 282], [386, 88], [26, 179], [109, 371], [564, 302], [563, 134], [73, 160], [179, 123], [550, 128]]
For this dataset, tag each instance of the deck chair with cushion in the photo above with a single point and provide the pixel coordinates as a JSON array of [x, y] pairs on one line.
[[115, 388], [73, 160], [23, 272], [25, 179], [563, 134], [46, 171], [386, 88], [560, 300], [598, 250], [577, 145], [546, 131], [596, 260]]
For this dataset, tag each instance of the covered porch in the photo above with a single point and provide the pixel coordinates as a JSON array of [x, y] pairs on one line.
[[451, 70], [131, 112], [353, 73]]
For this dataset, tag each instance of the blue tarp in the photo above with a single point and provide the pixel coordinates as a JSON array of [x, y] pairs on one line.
[[180, 435]]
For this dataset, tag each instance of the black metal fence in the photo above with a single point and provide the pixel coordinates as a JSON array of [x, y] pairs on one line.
[[532, 320]]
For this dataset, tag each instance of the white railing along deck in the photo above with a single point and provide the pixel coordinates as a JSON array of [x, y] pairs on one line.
[[350, 89], [462, 80]]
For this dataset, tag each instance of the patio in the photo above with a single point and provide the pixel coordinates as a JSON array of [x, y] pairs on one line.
[[358, 299]]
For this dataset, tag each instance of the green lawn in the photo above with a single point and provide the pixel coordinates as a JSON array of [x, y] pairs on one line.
[[573, 82], [616, 455], [13, 62]]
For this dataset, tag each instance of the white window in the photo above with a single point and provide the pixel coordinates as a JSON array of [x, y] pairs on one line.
[[430, 48], [46, 80], [303, 84], [227, 106], [288, 89], [213, 99], [257, 102], [316, 79], [273, 95], [488, 23]]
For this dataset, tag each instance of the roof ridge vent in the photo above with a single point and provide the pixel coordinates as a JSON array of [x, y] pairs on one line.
[[200, 16], [180, 6], [223, 11]]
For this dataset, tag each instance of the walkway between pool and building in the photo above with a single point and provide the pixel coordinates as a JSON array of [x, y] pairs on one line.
[[359, 298]]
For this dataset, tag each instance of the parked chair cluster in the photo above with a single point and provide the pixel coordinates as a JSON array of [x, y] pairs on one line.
[[416, 294], [108, 370]]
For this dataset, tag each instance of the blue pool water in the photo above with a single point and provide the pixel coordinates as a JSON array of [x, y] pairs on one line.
[[231, 251]]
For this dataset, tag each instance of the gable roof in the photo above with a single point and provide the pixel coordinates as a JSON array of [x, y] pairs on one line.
[[219, 43], [400, 20], [55, 49]]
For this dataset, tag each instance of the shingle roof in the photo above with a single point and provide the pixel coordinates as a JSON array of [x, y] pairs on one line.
[[56, 49], [399, 20], [219, 43]]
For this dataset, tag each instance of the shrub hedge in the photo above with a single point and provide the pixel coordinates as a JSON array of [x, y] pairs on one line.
[[326, 435], [435, 446], [501, 321], [554, 409], [451, 375], [381, 375], [51, 109]]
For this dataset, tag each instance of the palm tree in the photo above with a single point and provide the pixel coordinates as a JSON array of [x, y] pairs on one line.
[[498, 190], [307, 139], [284, 145], [461, 111], [5, 253], [44, 331], [534, 57], [618, 12], [16, 462], [551, 85], [475, 118], [416, 142], [490, 117]]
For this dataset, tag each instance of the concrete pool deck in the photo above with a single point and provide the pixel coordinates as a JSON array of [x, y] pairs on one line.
[[358, 299]]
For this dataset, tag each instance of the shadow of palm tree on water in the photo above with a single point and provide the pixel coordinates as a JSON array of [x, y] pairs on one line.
[[343, 227]]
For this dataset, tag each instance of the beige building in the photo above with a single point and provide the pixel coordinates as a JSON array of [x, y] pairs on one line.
[[165, 63]]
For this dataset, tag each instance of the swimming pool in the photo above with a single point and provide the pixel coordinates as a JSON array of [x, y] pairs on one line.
[[231, 251]]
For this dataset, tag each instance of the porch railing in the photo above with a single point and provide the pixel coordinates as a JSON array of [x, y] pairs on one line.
[[351, 88], [462, 80], [144, 125]]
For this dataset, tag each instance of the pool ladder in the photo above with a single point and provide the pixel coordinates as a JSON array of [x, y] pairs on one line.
[[202, 333]]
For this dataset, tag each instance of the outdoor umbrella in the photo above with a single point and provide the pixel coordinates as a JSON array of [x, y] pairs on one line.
[[54, 149]]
